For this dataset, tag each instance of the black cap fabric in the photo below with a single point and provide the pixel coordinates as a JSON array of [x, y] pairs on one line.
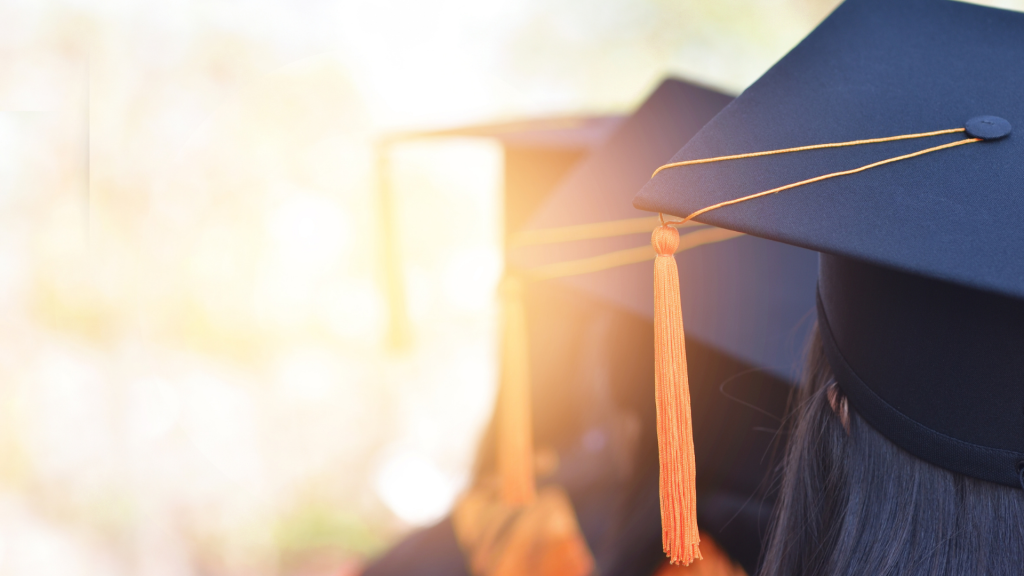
[[921, 281]]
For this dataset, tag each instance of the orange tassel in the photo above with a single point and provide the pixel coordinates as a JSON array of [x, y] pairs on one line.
[[515, 426], [675, 428]]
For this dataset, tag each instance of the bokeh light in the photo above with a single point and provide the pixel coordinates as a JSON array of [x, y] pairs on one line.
[[195, 375]]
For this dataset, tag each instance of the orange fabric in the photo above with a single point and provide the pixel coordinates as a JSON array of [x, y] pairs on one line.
[[541, 539], [680, 537], [715, 563], [515, 424]]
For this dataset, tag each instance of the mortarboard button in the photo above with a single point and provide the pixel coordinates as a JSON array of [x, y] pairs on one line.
[[988, 127]]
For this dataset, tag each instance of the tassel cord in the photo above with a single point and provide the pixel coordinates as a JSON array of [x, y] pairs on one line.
[[515, 425]]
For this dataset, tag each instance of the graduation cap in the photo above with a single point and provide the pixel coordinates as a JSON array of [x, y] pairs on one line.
[[883, 141], [538, 153], [747, 303]]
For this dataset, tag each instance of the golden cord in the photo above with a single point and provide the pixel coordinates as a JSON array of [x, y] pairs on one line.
[[805, 148], [585, 231], [624, 257], [707, 209]]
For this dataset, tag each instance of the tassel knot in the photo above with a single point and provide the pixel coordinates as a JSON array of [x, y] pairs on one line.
[[665, 240]]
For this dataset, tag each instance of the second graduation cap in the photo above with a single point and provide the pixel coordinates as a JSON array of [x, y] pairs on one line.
[[920, 292], [726, 284]]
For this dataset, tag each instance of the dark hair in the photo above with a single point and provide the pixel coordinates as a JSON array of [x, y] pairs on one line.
[[854, 503]]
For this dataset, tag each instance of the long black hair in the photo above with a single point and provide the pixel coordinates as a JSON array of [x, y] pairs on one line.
[[853, 503]]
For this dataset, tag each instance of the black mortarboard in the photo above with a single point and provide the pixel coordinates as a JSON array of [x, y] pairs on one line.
[[747, 302], [921, 284]]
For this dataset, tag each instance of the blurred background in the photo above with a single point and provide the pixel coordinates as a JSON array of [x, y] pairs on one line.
[[199, 372]]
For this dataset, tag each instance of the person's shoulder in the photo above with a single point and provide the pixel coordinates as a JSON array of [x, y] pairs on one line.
[[431, 551]]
